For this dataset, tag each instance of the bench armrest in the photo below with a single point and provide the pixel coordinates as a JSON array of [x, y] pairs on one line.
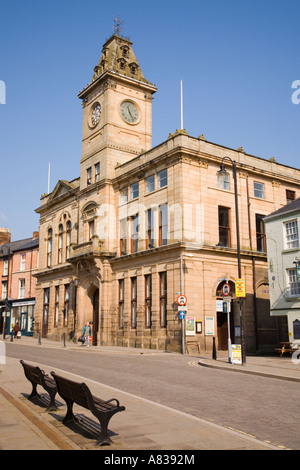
[[113, 399]]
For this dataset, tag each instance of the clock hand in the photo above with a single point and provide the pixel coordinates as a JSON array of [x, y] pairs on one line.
[[128, 109]]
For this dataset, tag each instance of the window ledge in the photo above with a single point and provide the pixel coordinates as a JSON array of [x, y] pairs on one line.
[[290, 250]]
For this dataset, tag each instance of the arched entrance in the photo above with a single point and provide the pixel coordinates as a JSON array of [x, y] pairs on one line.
[[88, 306], [225, 324], [95, 317]]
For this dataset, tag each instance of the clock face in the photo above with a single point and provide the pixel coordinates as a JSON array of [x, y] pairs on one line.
[[129, 112], [96, 113]]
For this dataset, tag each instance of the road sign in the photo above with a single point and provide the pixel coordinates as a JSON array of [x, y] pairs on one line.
[[182, 308], [240, 290], [181, 300], [182, 315], [226, 289], [226, 306]]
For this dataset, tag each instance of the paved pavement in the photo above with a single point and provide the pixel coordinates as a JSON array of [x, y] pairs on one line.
[[145, 425]]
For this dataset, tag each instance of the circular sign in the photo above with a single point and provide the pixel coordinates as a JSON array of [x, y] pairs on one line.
[[226, 289], [181, 300]]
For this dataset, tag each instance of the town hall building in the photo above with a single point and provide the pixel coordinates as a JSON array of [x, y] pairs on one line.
[[142, 225]]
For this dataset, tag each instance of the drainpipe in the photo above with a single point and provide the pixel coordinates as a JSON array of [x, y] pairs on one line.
[[253, 265]]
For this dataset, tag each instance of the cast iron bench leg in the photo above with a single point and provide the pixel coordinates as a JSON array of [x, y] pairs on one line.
[[69, 415], [34, 393], [104, 438], [52, 405]]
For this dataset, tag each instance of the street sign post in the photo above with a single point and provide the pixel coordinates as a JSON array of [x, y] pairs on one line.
[[181, 300]]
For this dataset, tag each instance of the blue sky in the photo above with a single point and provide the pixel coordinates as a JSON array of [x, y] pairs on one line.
[[237, 60]]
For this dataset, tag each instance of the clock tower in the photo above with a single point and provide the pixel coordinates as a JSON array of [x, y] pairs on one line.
[[117, 110]]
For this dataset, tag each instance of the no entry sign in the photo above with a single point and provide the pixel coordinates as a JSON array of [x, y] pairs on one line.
[[226, 289], [181, 300]]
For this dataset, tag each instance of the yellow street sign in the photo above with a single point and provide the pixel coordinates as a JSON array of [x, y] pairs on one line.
[[240, 289]]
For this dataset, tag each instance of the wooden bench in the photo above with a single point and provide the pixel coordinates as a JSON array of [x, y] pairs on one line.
[[38, 377], [79, 393], [286, 347]]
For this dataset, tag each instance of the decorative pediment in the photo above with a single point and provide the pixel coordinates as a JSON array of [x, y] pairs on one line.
[[61, 188]]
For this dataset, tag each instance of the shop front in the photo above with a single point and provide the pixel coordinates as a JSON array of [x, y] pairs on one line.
[[22, 312]]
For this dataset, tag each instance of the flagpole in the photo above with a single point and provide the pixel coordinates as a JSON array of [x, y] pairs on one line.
[[181, 104], [49, 178]]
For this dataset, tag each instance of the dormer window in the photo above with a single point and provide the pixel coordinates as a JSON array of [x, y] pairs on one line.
[[133, 68], [103, 64], [125, 51], [122, 63]]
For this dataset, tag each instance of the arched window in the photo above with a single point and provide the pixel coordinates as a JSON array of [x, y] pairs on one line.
[[90, 216], [68, 239], [49, 247], [60, 243]]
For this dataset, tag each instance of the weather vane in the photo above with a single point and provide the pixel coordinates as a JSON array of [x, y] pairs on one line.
[[117, 25]]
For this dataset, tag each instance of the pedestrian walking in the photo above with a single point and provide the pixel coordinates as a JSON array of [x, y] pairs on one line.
[[87, 332], [16, 329]]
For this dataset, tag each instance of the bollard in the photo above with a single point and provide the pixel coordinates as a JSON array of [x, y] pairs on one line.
[[214, 352], [11, 337], [39, 338], [64, 340]]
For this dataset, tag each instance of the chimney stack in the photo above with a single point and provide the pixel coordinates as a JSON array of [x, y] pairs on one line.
[[5, 236]]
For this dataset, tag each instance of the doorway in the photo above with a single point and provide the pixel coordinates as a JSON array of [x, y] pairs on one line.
[[95, 328], [222, 329]]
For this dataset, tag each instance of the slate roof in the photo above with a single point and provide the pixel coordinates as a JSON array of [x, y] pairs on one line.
[[20, 245], [293, 206]]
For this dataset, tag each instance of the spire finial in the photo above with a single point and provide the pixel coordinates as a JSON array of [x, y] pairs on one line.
[[117, 25]]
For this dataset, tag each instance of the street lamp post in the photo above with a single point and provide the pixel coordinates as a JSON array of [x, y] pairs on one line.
[[223, 173]]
